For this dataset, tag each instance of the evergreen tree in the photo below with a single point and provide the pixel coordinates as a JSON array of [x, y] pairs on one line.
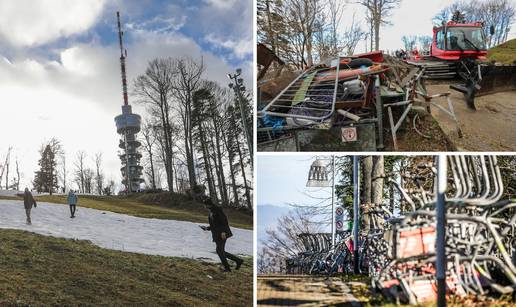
[[45, 179]]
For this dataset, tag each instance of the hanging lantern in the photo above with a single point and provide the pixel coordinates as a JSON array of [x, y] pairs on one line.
[[318, 174]]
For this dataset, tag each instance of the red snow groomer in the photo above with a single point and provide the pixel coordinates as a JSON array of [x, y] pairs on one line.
[[459, 50]]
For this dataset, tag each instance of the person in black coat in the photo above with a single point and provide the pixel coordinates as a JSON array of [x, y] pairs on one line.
[[220, 232]]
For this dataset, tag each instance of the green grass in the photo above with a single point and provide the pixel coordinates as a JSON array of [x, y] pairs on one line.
[[160, 205], [38, 270], [504, 53]]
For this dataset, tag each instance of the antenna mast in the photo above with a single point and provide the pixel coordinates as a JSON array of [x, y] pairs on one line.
[[123, 54], [128, 125]]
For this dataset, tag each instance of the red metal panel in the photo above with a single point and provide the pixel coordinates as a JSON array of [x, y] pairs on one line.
[[415, 242]]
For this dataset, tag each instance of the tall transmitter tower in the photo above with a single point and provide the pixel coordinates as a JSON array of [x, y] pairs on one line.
[[128, 125]]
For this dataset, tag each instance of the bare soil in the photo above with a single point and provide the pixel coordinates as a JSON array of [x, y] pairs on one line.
[[488, 128], [409, 140]]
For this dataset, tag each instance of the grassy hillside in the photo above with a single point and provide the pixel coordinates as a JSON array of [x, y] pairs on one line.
[[159, 205], [40, 270], [504, 53]]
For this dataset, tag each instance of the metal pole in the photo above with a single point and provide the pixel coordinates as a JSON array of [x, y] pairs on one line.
[[356, 213], [333, 204], [440, 274], [244, 120]]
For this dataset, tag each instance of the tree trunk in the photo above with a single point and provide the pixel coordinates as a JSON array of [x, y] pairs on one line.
[[377, 180], [377, 34], [153, 175], [367, 167], [17, 177], [242, 168], [231, 158], [7, 176], [167, 141], [220, 171]]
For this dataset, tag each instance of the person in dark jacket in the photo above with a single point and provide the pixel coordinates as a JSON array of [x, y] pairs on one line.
[[220, 232], [28, 202]]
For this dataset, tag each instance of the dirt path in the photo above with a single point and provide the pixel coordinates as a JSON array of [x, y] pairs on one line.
[[489, 128], [299, 290]]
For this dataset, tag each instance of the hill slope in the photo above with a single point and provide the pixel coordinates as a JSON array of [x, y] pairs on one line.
[[39, 270], [504, 53]]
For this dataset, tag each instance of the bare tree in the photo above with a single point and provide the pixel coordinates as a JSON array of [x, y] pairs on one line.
[[188, 80], [336, 9], [89, 175], [154, 89], [302, 16], [17, 182], [352, 36], [63, 172], [80, 168], [149, 141], [5, 166], [99, 175], [377, 13], [425, 41], [109, 189], [284, 241], [409, 42]]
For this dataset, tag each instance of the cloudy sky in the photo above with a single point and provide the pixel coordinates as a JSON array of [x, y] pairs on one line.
[[60, 71], [281, 179], [412, 17]]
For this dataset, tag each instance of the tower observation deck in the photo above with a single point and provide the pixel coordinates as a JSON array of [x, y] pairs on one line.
[[128, 125]]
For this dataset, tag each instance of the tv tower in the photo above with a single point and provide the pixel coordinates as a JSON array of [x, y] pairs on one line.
[[128, 125]]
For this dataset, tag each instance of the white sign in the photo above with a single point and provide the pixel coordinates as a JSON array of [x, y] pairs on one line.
[[349, 134]]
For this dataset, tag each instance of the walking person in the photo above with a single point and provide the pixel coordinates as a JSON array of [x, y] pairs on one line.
[[220, 232], [28, 202], [72, 201]]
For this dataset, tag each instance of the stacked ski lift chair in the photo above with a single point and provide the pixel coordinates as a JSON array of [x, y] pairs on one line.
[[480, 235], [338, 93], [322, 246], [340, 259], [302, 261], [311, 254]]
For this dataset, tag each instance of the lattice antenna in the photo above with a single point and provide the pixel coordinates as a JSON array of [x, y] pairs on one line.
[[123, 55]]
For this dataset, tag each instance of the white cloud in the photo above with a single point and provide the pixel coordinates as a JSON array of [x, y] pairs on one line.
[[241, 48], [221, 4], [160, 24], [32, 23]]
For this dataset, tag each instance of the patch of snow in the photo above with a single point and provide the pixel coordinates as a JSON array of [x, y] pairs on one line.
[[123, 232]]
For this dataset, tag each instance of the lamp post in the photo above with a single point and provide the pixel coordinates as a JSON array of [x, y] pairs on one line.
[[238, 86], [318, 177]]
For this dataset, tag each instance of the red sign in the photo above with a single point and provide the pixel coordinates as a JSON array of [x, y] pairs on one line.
[[349, 134]]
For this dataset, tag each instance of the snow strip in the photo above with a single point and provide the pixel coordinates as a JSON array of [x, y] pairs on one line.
[[123, 232]]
